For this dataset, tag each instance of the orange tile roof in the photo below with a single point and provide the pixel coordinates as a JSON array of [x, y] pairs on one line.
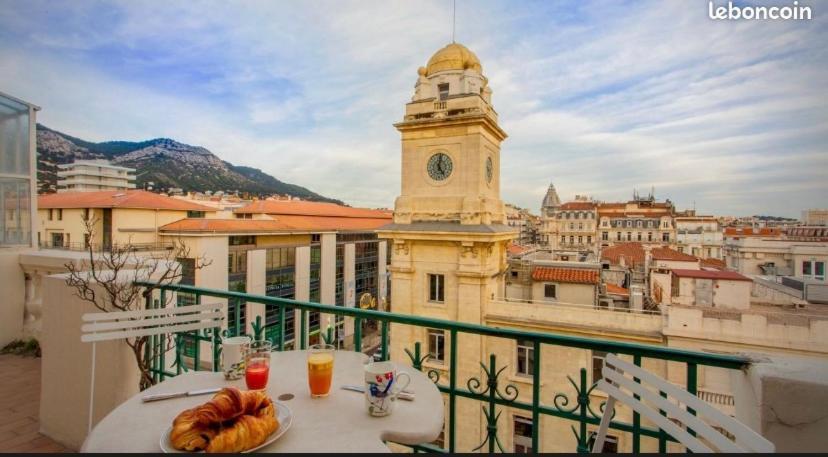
[[279, 224], [617, 290], [748, 231], [578, 205], [137, 199], [572, 275], [516, 249], [306, 208], [711, 274], [670, 254], [633, 253], [714, 263]]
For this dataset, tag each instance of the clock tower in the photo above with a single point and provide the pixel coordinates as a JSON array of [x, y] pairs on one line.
[[449, 238]]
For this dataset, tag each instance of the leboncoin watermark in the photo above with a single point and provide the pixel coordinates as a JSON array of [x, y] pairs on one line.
[[731, 12]]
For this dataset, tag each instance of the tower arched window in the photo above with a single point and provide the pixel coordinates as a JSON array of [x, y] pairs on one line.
[[443, 90]]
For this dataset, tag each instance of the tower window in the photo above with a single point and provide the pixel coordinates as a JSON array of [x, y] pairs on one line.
[[436, 345], [436, 290], [444, 91]]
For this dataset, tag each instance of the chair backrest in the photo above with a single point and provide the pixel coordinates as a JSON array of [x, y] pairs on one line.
[[129, 324], [620, 384]]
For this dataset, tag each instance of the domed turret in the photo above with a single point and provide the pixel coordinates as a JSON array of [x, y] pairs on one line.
[[452, 71], [454, 56]]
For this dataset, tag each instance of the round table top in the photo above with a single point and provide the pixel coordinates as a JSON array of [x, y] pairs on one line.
[[337, 423]]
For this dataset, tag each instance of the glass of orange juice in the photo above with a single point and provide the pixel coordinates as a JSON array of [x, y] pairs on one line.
[[320, 369]]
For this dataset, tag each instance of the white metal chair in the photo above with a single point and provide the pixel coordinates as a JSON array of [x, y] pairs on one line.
[[619, 384], [119, 325]]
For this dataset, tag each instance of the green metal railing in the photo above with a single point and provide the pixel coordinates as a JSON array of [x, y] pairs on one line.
[[488, 389]]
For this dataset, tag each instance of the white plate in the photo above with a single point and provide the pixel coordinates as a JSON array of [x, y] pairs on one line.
[[283, 414]]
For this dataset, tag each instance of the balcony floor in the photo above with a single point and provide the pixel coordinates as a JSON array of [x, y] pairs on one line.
[[20, 406]]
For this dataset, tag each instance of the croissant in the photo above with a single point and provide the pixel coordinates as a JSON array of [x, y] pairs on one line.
[[247, 432], [249, 418], [189, 435], [228, 404]]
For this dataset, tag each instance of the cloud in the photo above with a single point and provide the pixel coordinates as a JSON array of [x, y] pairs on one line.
[[598, 97]]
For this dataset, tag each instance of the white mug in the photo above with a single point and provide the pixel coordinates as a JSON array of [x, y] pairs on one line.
[[233, 351], [382, 385]]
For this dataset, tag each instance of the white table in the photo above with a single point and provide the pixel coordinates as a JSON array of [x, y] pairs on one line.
[[337, 423]]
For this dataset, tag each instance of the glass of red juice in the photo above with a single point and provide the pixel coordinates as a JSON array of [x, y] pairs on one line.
[[257, 365]]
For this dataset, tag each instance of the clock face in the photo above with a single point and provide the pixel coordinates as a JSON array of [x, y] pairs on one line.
[[439, 166], [489, 170]]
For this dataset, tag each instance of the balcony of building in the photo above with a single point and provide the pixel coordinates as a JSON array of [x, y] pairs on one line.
[[453, 106], [542, 378]]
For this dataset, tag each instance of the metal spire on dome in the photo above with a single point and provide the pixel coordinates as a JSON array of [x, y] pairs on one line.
[[453, 19]]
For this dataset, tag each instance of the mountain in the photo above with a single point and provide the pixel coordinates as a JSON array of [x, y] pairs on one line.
[[165, 162]]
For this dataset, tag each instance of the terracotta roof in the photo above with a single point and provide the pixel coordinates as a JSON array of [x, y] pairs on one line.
[[714, 263], [617, 290], [711, 274], [138, 199], [578, 205], [305, 208], [633, 253], [516, 249], [671, 254], [748, 231], [573, 275], [224, 225], [280, 223]]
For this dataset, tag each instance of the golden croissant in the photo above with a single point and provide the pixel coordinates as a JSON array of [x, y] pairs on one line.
[[232, 421]]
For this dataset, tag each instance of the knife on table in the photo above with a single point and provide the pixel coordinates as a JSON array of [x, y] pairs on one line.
[[156, 397], [404, 395]]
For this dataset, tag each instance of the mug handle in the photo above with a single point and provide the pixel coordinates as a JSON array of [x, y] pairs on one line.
[[400, 387]]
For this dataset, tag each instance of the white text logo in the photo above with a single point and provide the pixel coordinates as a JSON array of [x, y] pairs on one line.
[[733, 13]]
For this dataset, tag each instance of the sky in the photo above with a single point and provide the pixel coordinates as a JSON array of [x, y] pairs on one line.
[[598, 97]]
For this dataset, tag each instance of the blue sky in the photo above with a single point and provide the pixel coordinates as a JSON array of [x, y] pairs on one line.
[[598, 97]]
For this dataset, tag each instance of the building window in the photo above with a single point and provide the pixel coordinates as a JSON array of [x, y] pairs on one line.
[[436, 345], [572, 239], [639, 236], [436, 288], [523, 428], [709, 253], [444, 91], [60, 214], [563, 239], [196, 214], [629, 236], [86, 214], [813, 269], [580, 226], [665, 237], [550, 291], [57, 240], [597, 365], [610, 443], [571, 226], [680, 249], [589, 240], [580, 239], [242, 240], [649, 236], [605, 236], [619, 235], [50, 214], [525, 358]]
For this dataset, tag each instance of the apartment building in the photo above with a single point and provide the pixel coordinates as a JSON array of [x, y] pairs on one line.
[[700, 236], [642, 220], [118, 217], [94, 175]]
